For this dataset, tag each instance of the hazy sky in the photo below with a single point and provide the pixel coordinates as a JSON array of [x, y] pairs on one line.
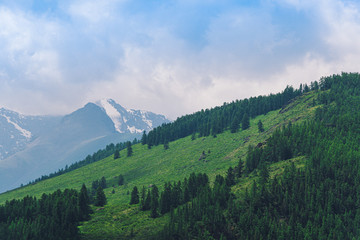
[[172, 57]]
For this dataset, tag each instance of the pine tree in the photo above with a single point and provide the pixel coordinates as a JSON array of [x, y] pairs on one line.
[[147, 201], [134, 196], [263, 173], [103, 182], [84, 201], [117, 154], [230, 178], [239, 169], [142, 199], [154, 205], [121, 180], [129, 148], [235, 124], [260, 126], [100, 199], [245, 123], [144, 138]]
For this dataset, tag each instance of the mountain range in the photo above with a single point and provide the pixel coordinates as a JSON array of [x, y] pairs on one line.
[[31, 146]]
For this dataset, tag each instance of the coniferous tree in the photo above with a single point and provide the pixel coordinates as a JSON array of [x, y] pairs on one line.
[[134, 196], [230, 178], [154, 205], [117, 154], [100, 199], [235, 124], [260, 126], [144, 138], [103, 182], [121, 180], [142, 198], [245, 123], [239, 169], [84, 202], [147, 203], [129, 148], [165, 200], [263, 173]]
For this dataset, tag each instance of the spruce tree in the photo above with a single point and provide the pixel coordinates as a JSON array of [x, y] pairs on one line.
[[154, 205], [121, 180], [134, 196], [263, 173], [129, 148], [230, 178], [100, 199], [239, 169], [260, 126], [142, 199], [144, 138], [84, 201], [235, 124], [103, 182], [117, 154], [245, 123], [147, 201]]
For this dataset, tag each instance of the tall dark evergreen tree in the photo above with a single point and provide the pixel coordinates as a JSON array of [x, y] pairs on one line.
[[245, 123], [230, 177], [263, 173], [154, 205], [117, 154], [100, 198], [147, 203], [134, 196], [121, 180], [239, 169], [166, 199], [144, 138], [103, 183], [235, 124], [129, 148], [260, 126], [84, 202]]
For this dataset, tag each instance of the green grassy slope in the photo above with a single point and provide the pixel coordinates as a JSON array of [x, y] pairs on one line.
[[157, 165]]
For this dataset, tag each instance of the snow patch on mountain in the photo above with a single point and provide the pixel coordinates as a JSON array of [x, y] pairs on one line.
[[145, 119], [134, 129], [113, 114], [22, 131]]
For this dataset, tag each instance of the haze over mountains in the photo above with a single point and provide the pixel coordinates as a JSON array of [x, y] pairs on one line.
[[31, 146]]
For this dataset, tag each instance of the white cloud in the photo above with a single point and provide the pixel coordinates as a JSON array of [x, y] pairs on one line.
[[147, 58]]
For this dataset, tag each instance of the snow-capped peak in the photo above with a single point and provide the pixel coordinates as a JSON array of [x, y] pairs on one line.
[[111, 111], [130, 120]]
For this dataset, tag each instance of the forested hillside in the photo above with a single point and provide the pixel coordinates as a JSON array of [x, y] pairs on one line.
[[53, 216], [320, 201], [283, 166]]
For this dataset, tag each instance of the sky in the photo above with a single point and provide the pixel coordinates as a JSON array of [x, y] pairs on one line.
[[172, 57]]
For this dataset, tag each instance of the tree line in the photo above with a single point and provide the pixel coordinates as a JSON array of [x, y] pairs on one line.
[[228, 116]]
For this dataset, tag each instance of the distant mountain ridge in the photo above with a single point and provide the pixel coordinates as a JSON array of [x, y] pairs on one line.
[[31, 146]]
